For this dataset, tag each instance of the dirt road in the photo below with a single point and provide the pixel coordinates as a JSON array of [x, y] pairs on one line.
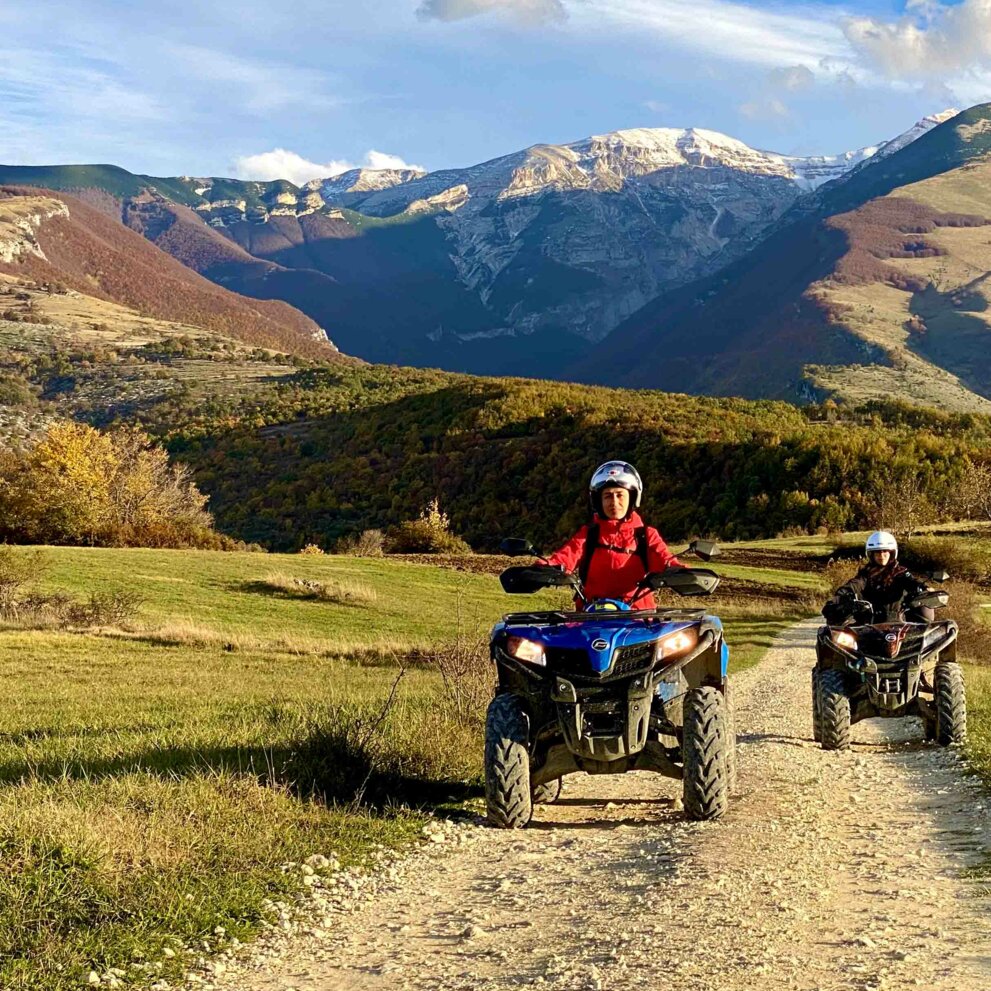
[[832, 871]]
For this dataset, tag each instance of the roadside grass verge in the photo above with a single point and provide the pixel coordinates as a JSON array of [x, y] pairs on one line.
[[157, 776], [979, 718], [148, 794]]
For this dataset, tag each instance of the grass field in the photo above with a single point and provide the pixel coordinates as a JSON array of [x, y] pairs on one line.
[[155, 779]]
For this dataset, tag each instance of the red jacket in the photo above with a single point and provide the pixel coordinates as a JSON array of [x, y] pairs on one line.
[[614, 573]]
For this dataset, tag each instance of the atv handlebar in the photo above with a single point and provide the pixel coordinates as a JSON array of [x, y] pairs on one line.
[[863, 611], [683, 581]]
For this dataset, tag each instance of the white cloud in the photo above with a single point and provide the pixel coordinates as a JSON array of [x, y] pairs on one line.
[[282, 164], [931, 40], [765, 108], [792, 78], [726, 30], [41, 84], [261, 87], [527, 11], [383, 160]]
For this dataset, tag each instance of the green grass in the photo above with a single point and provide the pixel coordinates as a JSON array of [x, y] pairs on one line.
[[811, 581], [750, 637], [414, 603], [155, 781]]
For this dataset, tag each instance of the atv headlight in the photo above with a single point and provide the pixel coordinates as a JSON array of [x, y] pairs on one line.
[[843, 639], [526, 650], [674, 644]]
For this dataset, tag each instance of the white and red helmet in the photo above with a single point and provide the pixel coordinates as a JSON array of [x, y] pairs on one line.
[[615, 474]]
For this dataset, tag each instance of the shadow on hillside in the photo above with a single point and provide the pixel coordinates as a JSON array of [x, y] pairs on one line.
[[954, 338], [506, 458], [331, 765]]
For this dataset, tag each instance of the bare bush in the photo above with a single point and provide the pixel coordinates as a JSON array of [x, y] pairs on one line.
[[17, 570], [468, 676], [104, 609], [368, 543], [966, 607], [973, 496], [57, 610], [962, 558]]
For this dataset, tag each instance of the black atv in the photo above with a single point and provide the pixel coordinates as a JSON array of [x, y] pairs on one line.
[[865, 668]]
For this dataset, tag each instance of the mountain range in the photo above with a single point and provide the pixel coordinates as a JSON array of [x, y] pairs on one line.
[[666, 258]]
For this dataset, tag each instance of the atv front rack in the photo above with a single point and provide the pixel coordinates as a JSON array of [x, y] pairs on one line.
[[558, 616]]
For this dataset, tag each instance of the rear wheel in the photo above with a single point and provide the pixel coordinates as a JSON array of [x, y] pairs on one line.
[[507, 763], [951, 704], [547, 793], [816, 708], [705, 748], [834, 711]]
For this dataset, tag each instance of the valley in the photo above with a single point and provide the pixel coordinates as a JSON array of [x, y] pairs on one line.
[[535, 263]]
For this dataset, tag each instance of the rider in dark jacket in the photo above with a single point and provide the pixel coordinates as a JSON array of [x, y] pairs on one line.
[[887, 585]]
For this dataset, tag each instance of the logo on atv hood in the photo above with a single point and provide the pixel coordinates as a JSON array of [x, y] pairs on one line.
[[600, 645]]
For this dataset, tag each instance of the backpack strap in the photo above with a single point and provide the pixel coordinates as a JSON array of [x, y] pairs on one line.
[[640, 534], [591, 543]]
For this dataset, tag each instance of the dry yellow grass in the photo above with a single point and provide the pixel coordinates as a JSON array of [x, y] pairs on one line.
[[345, 593]]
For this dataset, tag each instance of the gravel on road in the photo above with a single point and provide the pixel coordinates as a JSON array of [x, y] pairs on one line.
[[831, 871]]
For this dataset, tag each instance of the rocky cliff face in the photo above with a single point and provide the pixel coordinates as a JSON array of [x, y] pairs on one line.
[[510, 265], [21, 217], [577, 237]]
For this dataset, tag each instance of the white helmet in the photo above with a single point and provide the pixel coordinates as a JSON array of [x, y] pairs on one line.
[[614, 474], [881, 540]]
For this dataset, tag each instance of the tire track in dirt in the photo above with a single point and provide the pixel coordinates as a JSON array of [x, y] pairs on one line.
[[831, 871]]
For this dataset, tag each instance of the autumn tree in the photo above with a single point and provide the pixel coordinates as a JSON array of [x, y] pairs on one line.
[[78, 485]]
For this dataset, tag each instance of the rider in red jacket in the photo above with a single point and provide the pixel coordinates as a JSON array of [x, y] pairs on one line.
[[622, 549]]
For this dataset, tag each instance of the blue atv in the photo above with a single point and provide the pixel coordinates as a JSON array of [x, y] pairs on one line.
[[607, 690]]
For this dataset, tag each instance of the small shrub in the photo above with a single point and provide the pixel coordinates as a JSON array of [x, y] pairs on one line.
[[57, 610], [430, 533], [839, 572], [17, 570], [368, 543], [967, 608], [311, 549], [77, 485], [15, 390], [104, 609], [962, 558], [468, 677]]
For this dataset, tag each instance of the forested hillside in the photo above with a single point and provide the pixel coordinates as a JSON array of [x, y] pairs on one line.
[[331, 452]]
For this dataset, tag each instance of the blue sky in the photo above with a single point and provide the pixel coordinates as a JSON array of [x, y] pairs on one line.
[[243, 88]]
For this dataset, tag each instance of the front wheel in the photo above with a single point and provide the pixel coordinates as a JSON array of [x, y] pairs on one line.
[[705, 748], [834, 711], [507, 763], [951, 704]]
